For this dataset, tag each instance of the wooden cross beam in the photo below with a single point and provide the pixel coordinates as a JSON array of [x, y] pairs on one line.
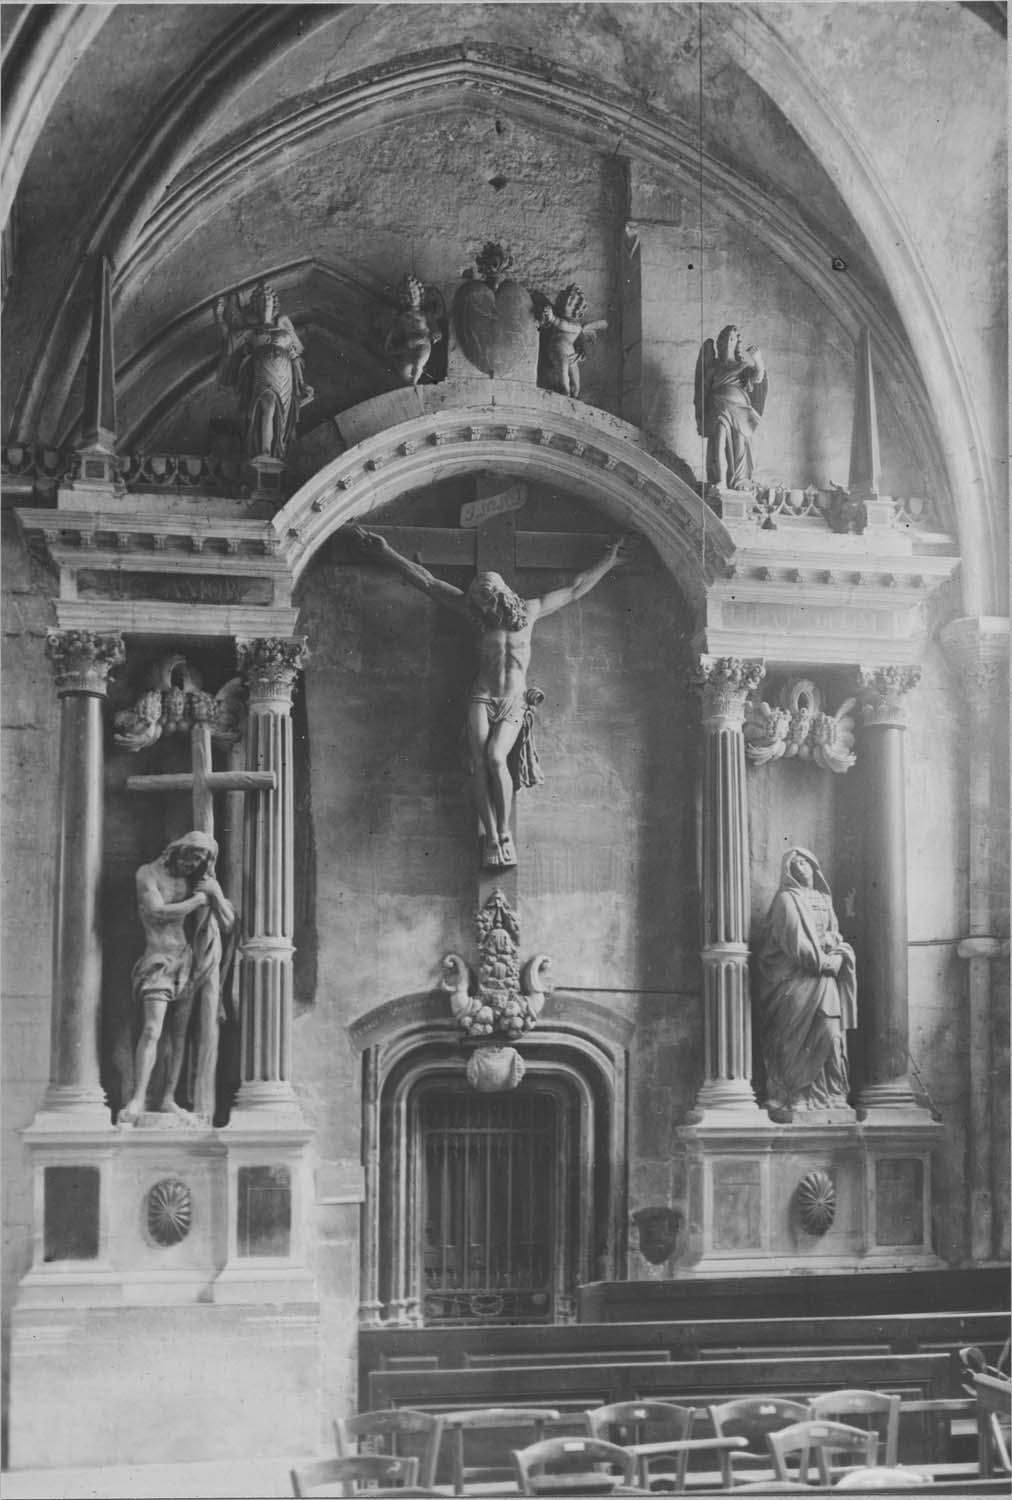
[[202, 782], [488, 540]]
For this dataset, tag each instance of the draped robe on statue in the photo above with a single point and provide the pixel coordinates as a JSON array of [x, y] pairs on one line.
[[805, 1009]]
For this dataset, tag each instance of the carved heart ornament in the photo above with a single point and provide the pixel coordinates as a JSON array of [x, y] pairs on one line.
[[496, 330]]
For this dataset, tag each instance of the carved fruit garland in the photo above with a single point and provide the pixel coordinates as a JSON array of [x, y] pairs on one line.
[[501, 1001]]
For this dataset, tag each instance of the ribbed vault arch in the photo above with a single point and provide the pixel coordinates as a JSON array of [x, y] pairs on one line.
[[921, 353], [542, 93]]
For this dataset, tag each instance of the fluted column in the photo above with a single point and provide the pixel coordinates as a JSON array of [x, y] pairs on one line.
[[82, 661], [884, 1020], [270, 667], [726, 684]]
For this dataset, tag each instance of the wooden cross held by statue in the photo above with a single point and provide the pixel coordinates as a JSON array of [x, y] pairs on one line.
[[202, 782]]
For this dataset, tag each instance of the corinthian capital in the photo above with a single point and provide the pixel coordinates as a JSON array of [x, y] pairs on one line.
[[725, 682], [882, 691], [270, 665], [978, 652], [83, 659]]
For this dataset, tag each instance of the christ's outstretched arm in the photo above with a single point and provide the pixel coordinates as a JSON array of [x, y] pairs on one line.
[[582, 584], [374, 545]]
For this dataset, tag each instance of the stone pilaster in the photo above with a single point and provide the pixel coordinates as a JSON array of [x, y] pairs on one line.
[[978, 650], [270, 667], [884, 1008], [82, 661], [726, 683]]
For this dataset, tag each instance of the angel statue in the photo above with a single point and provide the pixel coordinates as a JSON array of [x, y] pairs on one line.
[[565, 339], [731, 389], [262, 360], [414, 330]]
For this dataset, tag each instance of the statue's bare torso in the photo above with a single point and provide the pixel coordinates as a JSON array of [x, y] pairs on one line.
[[495, 712]]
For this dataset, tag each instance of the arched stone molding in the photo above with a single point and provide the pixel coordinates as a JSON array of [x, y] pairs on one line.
[[404, 1040], [44, 46], [249, 45], [545, 93], [751, 34], [414, 437], [312, 292]]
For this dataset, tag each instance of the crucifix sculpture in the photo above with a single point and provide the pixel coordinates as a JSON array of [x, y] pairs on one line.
[[500, 703], [182, 907]]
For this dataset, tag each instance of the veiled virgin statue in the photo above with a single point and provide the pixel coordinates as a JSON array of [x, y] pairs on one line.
[[807, 993]]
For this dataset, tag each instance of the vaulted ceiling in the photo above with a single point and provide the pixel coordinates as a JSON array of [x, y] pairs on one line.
[[201, 146]]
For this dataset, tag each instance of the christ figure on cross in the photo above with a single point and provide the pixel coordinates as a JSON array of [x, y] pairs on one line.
[[497, 710]]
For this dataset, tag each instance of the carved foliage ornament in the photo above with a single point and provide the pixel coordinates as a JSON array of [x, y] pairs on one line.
[[175, 703], [726, 682], [882, 693], [270, 665], [500, 999], [83, 659], [799, 727]]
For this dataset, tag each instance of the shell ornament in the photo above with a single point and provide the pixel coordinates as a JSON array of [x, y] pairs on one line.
[[170, 1209], [816, 1196]]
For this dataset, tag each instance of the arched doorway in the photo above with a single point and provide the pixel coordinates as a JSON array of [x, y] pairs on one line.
[[491, 1208]]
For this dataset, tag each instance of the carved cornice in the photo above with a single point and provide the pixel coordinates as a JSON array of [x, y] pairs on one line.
[[882, 694], [725, 683], [270, 666], [83, 659]]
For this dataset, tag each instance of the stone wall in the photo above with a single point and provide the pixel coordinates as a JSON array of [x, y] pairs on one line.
[[30, 770]]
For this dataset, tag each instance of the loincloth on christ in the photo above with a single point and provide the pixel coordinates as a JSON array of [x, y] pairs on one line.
[[518, 708]]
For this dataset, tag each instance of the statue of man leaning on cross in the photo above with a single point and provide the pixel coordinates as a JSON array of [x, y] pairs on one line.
[[499, 703]]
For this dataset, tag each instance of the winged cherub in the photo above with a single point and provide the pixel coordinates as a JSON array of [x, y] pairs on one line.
[[414, 329], [565, 339]]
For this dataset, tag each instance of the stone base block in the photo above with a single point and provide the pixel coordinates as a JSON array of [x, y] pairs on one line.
[[154, 1385], [160, 1215], [820, 1196]]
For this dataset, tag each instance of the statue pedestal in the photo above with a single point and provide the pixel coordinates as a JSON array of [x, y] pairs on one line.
[[828, 1194], [170, 1313]]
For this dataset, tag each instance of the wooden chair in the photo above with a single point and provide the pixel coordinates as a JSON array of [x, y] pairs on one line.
[[993, 1394], [753, 1417], [884, 1479], [820, 1438], [842, 1406], [397, 1432], [578, 1474], [370, 1468], [491, 1419], [630, 1422], [771, 1487]]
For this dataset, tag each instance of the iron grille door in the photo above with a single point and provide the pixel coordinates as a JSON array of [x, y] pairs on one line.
[[492, 1200]]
